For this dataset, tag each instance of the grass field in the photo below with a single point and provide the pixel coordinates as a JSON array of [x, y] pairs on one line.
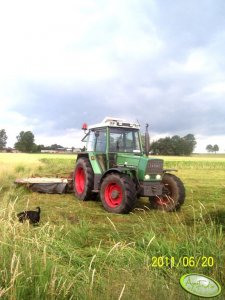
[[79, 251]]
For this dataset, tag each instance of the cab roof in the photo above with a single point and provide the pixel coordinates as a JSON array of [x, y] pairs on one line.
[[115, 122]]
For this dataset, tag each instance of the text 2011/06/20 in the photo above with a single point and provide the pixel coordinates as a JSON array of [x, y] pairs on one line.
[[184, 261]]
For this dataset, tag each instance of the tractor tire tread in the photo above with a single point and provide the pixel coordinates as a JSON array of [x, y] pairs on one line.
[[84, 161], [177, 184], [130, 196]]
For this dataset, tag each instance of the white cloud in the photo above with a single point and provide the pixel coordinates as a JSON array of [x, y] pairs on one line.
[[197, 61], [45, 41], [63, 42], [70, 138], [217, 89], [136, 59]]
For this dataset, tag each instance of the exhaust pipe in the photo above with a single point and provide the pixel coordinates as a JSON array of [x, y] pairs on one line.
[[147, 141]]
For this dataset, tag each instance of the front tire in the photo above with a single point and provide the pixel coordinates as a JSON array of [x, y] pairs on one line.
[[173, 194], [118, 193], [83, 179]]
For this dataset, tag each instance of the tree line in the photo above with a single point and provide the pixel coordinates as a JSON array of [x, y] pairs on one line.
[[25, 142], [174, 145]]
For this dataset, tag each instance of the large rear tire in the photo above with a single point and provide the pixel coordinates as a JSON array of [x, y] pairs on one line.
[[83, 179], [118, 193], [173, 194]]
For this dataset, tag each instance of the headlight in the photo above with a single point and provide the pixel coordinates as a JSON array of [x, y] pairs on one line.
[[147, 177], [158, 177]]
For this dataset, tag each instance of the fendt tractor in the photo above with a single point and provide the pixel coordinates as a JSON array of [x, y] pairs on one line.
[[115, 167]]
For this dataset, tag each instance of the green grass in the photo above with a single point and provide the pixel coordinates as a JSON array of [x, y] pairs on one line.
[[80, 251]]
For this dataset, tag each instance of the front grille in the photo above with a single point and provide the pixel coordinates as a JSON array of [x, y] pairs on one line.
[[151, 189], [154, 166]]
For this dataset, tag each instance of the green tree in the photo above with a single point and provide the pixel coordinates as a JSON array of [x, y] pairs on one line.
[[177, 145], [167, 147], [36, 148], [3, 138], [174, 146], [154, 148], [189, 144], [25, 142], [209, 148], [163, 146], [216, 148]]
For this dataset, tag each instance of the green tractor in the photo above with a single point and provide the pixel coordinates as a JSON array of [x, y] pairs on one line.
[[115, 167]]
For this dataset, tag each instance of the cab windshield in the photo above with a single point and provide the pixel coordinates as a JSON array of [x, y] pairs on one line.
[[124, 140]]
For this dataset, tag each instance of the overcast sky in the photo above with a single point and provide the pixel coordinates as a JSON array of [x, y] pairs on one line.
[[66, 62]]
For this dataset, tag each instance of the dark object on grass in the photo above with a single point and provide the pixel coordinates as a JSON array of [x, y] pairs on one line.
[[32, 216], [49, 185]]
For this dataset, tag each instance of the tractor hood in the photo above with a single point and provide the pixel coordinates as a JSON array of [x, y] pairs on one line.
[[142, 165], [128, 160]]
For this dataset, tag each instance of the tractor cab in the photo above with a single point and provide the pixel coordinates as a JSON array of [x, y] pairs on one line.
[[114, 139], [110, 138], [115, 167]]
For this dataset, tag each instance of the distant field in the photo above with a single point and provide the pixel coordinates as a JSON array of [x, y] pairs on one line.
[[80, 251]]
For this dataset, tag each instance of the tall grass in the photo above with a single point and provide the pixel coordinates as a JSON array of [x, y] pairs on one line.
[[87, 261], [79, 251]]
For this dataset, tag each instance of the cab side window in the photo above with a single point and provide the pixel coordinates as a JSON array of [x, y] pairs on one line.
[[100, 145], [91, 141]]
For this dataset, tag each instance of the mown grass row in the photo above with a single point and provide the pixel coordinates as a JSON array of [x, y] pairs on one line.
[[56, 165], [196, 165]]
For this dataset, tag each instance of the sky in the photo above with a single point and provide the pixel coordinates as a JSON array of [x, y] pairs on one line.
[[63, 63]]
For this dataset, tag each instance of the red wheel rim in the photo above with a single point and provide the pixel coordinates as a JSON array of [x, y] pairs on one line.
[[113, 194], [166, 199], [163, 201], [80, 179]]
